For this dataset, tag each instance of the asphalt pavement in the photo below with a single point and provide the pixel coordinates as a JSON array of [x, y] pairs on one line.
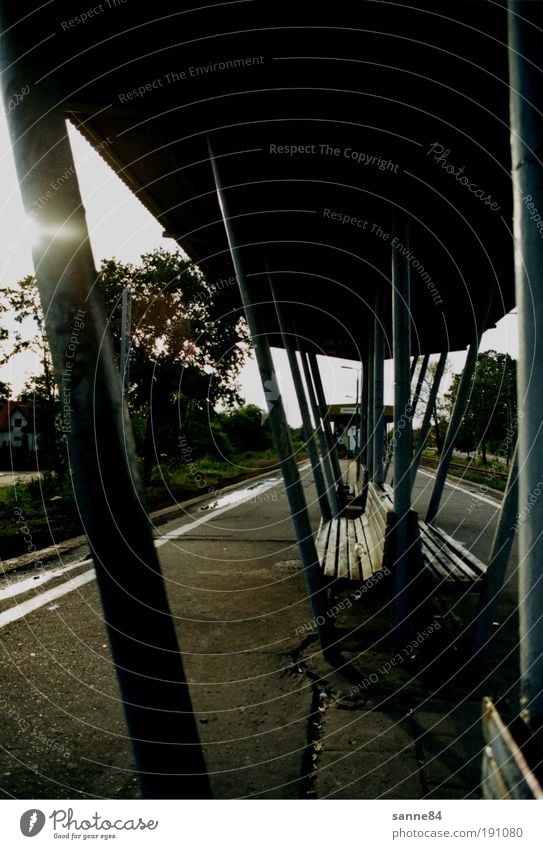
[[275, 719]]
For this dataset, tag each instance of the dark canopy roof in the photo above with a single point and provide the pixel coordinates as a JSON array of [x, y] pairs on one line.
[[329, 124]]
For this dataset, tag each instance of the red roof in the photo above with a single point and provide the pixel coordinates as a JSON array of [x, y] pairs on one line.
[[7, 410]]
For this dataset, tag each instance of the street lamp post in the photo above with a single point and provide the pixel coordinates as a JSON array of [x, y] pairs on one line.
[[358, 406]]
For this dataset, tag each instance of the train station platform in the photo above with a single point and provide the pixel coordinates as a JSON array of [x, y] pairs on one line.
[[275, 719]]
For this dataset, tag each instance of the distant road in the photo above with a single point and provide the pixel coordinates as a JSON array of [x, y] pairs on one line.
[[9, 478]]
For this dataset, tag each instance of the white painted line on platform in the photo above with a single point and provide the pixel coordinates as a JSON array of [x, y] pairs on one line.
[[456, 488], [20, 610], [25, 607], [185, 529], [24, 585]]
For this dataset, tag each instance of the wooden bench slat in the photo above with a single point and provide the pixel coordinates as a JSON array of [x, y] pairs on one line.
[[343, 551], [363, 556], [375, 547], [377, 522], [465, 557], [437, 557], [321, 540], [354, 567], [434, 563], [455, 573], [366, 542], [454, 543], [331, 551], [462, 571], [377, 507]]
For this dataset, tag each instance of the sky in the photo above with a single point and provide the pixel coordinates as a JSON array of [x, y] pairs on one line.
[[121, 227]]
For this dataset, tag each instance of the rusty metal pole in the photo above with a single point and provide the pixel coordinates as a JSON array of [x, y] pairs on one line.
[[100, 448]]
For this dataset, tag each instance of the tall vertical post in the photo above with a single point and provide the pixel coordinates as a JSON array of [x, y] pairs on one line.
[[363, 422], [324, 450], [418, 387], [401, 330], [321, 400], [427, 420], [378, 390], [126, 336], [526, 111], [370, 427], [357, 413], [100, 447], [460, 405], [309, 434], [281, 435], [499, 557]]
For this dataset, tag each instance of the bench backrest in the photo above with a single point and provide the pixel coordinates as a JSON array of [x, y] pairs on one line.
[[379, 519]]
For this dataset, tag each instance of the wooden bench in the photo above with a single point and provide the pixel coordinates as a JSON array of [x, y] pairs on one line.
[[444, 559], [354, 549], [379, 518], [340, 544], [447, 561], [507, 759]]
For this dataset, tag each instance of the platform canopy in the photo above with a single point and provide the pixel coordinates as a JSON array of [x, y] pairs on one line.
[[328, 124]]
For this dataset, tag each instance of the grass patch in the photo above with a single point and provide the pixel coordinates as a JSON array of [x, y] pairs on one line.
[[178, 481], [489, 476], [47, 513]]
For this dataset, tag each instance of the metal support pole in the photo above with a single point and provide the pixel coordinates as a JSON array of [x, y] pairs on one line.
[[126, 337], [278, 422], [363, 423], [413, 368], [309, 435], [378, 390], [499, 557], [370, 405], [325, 453], [459, 408], [427, 420], [100, 447], [357, 414], [321, 400], [401, 324], [526, 110], [418, 388]]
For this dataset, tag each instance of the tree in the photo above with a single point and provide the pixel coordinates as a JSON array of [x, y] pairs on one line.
[[244, 429], [23, 305], [440, 410], [187, 346], [5, 392], [491, 411]]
